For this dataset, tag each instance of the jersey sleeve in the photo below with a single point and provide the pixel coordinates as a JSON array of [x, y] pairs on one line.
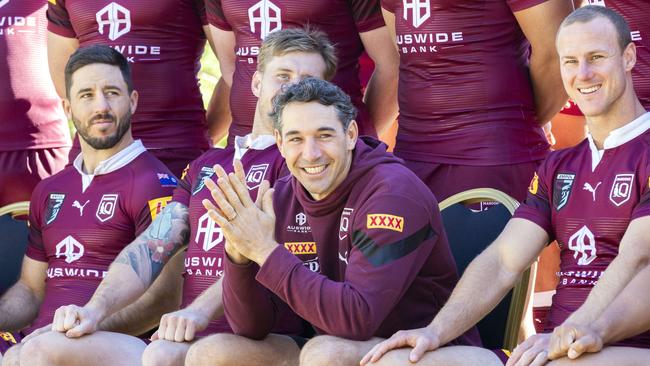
[[150, 196], [388, 5], [643, 207], [392, 237], [183, 192], [35, 247], [199, 5], [367, 14], [537, 205], [216, 16], [519, 5], [58, 19]]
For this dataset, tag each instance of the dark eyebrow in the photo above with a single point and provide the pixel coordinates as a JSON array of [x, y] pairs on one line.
[[84, 90], [322, 129]]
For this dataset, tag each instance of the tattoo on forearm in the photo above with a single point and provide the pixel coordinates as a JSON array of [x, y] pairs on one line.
[[150, 251]]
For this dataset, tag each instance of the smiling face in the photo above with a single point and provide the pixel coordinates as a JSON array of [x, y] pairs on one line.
[[317, 150], [595, 71], [100, 105], [284, 70]]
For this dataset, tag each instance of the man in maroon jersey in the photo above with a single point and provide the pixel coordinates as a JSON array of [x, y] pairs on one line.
[[163, 41], [470, 101], [357, 248], [83, 216], [285, 57], [35, 136], [352, 25], [593, 199]]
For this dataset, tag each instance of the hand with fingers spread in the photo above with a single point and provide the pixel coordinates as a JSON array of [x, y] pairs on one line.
[[248, 226], [181, 325], [572, 340], [76, 321], [533, 351], [421, 340]]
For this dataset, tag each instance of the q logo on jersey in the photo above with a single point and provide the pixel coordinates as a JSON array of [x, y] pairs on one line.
[[106, 208], [562, 189], [621, 189], [383, 221], [256, 175], [534, 184], [157, 205], [54, 204], [344, 225]]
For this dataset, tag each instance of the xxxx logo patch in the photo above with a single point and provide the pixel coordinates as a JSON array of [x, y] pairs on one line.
[[301, 247], [383, 221]]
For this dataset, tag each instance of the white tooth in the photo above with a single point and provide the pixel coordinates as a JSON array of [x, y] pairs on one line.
[[590, 90], [315, 170]]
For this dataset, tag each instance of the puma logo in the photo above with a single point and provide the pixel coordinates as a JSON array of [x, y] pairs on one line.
[[588, 187], [344, 258], [80, 206]]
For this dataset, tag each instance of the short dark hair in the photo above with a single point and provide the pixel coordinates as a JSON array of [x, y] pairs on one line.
[[97, 54], [590, 12], [310, 90]]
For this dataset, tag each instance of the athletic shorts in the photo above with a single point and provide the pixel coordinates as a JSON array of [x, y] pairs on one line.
[[503, 354], [21, 170], [175, 159], [445, 180], [7, 340]]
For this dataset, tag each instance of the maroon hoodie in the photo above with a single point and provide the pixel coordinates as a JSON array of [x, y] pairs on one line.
[[368, 260]]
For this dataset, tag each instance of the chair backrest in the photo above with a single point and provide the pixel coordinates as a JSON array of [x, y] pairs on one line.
[[469, 233], [13, 242]]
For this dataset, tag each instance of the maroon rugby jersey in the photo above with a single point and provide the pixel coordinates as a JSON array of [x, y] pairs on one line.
[[252, 20], [586, 205], [204, 256], [163, 41], [31, 116], [636, 13], [79, 232], [368, 260], [465, 95]]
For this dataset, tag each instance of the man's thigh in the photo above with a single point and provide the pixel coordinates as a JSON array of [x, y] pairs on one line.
[[445, 356], [330, 350], [619, 356], [165, 353], [230, 349], [99, 348]]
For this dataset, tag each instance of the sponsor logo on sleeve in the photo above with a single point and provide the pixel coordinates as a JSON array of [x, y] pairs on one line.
[[298, 248], [255, 176], [167, 180], [54, 204], [69, 248], [106, 208], [534, 184], [184, 174], [205, 173], [621, 189], [344, 226], [384, 221], [562, 189], [583, 244], [8, 337], [156, 205]]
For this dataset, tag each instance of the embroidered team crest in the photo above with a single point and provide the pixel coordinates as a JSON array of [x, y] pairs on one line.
[[383, 221], [344, 226], [621, 189], [106, 207], [205, 173], [534, 184], [54, 204], [256, 175], [562, 189]]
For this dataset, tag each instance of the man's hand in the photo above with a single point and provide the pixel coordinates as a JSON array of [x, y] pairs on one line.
[[421, 340], [572, 340], [234, 255], [533, 351], [248, 226], [76, 321], [181, 325]]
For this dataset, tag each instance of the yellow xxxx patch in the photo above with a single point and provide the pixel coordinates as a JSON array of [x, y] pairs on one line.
[[384, 221], [308, 247]]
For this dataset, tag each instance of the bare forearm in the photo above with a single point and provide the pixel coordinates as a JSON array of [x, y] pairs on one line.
[[210, 302], [218, 115], [485, 276], [547, 86], [18, 308], [381, 98]]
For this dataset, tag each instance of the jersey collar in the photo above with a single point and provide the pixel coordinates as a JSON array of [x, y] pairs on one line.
[[618, 137], [115, 162], [244, 143]]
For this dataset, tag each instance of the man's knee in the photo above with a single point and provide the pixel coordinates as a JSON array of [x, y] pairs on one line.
[[162, 353], [217, 350], [328, 350], [43, 350]]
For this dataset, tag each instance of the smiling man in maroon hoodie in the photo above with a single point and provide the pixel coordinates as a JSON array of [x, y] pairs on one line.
[[357, 248]]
